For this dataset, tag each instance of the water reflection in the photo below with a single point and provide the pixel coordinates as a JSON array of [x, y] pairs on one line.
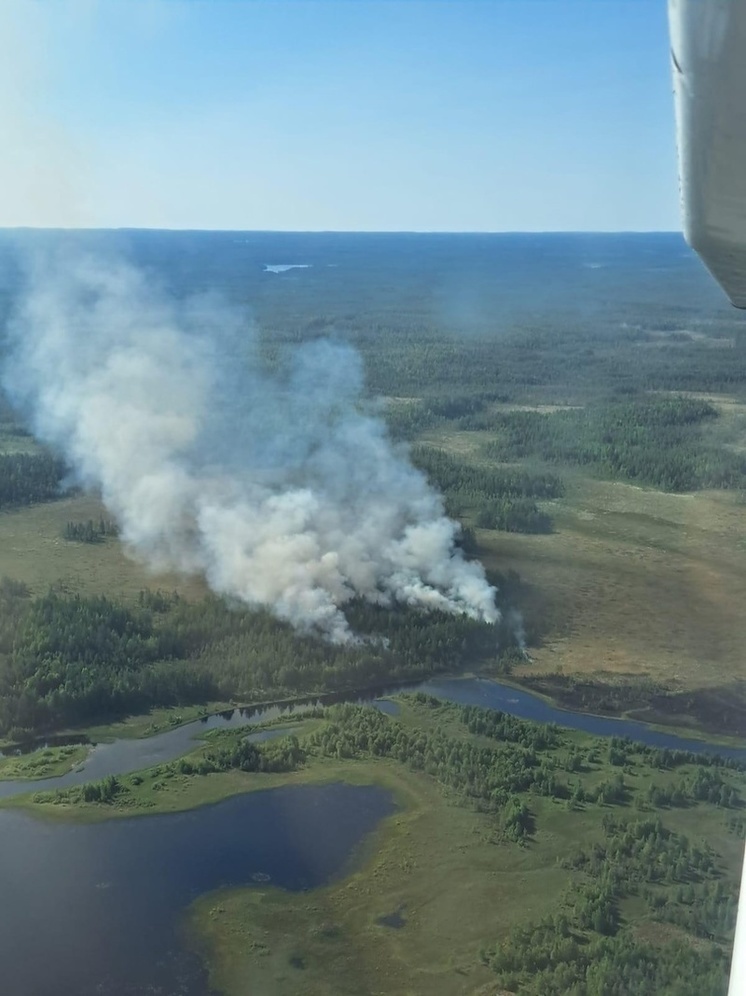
[[123, 756], [95, 908], [494, 695]]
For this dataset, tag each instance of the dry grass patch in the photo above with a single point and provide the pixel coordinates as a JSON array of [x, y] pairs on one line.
[[635, 581], [33, 550]]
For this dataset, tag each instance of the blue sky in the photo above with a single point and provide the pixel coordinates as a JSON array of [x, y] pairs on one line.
[[491, 115]]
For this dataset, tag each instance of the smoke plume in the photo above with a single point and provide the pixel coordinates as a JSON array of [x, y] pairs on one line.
[[277, 486]]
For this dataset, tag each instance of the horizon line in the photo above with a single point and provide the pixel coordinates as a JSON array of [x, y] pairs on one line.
[[344, 231]]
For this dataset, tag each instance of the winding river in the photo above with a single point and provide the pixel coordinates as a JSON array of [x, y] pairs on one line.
[[96, 908], [123, 756]]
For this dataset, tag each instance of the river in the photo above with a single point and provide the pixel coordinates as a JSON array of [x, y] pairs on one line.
[[96, 908], [123, 756]]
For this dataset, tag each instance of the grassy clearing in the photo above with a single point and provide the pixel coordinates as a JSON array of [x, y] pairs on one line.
[[48, 762], [434, 862], [636, 582], [32, 550], [633, 581]]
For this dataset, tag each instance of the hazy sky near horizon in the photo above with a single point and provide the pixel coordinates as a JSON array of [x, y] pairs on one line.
[[417, 115]]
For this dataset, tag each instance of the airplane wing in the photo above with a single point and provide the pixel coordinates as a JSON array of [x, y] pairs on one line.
[[708, 61]]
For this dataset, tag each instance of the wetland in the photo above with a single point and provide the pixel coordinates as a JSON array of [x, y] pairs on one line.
[[594, 457]]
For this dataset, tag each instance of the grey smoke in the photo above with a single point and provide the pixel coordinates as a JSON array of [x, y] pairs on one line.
[[278, 487]]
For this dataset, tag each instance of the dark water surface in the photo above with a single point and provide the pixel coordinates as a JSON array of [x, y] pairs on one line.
[[95, 908], [490, 694], [123, 756]]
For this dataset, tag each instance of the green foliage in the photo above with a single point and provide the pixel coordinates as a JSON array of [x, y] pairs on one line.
[[90, 531], [737, 825], [66, 661], [29, 477], [284, 754], [489, 778], [587, 952], [76, 659], [513, 515], [517, 822], [502, 726], [551, 958], [657, 441], [452, 475], [501, 498], [104, 791], [705, 910], [703, 785], [252, 655], [643, 851]]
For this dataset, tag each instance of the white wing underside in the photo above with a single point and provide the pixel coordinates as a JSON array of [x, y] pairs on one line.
[[708, 56]]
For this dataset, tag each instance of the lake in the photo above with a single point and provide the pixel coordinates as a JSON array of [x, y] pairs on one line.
[[96, 908], [104, 900]]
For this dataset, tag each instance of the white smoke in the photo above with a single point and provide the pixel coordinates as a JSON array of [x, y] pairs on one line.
[[277, 487]]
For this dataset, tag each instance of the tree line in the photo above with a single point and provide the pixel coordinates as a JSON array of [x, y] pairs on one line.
[[90, 531], [496, 497], [557, 956], [26, 478], [66, 660], [657, 441]]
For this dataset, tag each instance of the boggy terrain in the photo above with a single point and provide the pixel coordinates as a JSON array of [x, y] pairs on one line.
[[719, 710], [594, 453], [587, 426], [520, 854]]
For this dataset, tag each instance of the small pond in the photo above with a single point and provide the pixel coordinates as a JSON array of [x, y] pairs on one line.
[[96, 908], [103, 901]]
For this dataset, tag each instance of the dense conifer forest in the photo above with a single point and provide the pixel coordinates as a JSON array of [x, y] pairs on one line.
[[67, 660], [29, 477]]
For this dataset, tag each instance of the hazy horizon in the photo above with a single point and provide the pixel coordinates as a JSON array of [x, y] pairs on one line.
[[343, 231]]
